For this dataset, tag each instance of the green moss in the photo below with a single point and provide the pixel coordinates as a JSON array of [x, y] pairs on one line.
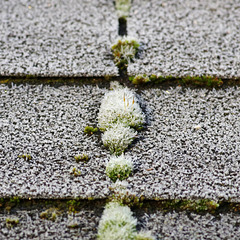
[[26, 157], [199, 81], [130, 78], [201, 205], [50, 214], [202, 81], [30, 76], [10, 222], [5, 81], [15, 200], [125, 198], [89, 130], [10, 203], [75, 172], [140, 79], [124, 51], [119, 172], [74, 205], [81, 158]]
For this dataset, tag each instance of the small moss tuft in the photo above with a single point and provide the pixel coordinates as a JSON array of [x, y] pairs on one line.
[[50, 214], [89, 130], [140, 79], [10, 222], [75, 172], [26, 157], [15, 200], [81, 158], [122, 195], [124, 51], [74, 205]]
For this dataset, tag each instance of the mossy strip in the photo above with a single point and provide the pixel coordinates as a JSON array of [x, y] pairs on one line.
[[198, 81], [198, 206]]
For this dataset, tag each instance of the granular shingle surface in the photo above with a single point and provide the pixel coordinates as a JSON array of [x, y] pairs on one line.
[[80, 225], [57, 37], [48, 124], [184, 225], [193, 37], [191, 148]]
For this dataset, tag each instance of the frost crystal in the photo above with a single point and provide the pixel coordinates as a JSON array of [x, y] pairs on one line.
[[118, 138], [117, 223], [119, 167], [120, 106]]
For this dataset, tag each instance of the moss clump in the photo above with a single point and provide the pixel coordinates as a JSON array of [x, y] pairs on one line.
[[26, 157], [118, 138], [140, 79], [75, 172], [117, 223], [124, 51], [10, 222], [15, 200], [50, 214], [81, 158], [12, 202], [119, 167], [124, 196], [128, 199], [74, 205], [89, 130], [120, 106]]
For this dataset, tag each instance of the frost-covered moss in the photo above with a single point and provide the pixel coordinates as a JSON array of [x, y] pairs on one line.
[[123, 8], [120, 106], [119, 167], [118, 138], [117, 223]]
